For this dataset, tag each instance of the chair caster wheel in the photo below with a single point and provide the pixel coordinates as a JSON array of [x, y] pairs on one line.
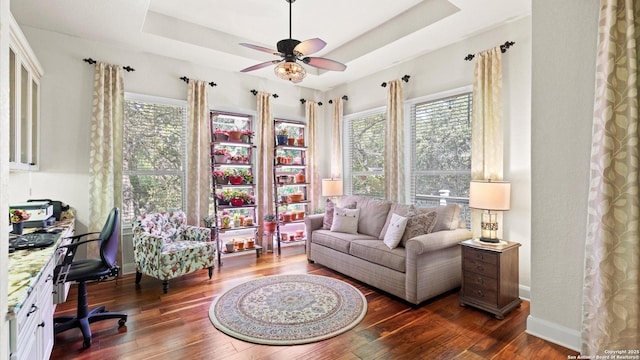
[[121, 322]]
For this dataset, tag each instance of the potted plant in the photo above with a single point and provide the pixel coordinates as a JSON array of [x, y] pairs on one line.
[[246, 136], [220, 135], [234, 135], [300, 177], [17, 218], [269, 223], [300, 140], [223, 197], [247, 176], [220, 155], [237, 198], [230, 245], [208, 221], [235, 177], [250, 243], [282, 136], [225, 222], [220, 177]]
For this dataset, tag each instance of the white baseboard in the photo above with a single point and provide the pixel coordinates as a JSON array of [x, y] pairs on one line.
[[524, 292], [554, 333], [128, 269]]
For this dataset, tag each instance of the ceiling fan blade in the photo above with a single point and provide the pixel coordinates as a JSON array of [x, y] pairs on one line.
[[309, 47], [262, 48], [323, 63], [260, 66]]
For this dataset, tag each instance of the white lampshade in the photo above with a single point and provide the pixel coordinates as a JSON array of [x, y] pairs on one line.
[[490, 195], [332, 187]]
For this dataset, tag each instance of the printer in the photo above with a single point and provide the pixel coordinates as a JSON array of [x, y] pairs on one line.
[[41, 213]]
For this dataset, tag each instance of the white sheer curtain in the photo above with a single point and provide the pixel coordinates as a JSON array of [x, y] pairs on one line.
[[336, 138], [105, 157], [264, 178], [394, 140], [313, 174], [487, 141], [198, 156], [611, 296]]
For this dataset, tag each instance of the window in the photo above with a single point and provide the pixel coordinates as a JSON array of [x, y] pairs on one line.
[[441, 143], [364, 154], [154, 155]]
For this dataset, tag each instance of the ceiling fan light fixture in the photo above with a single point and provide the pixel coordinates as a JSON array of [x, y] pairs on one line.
[[290, 71]]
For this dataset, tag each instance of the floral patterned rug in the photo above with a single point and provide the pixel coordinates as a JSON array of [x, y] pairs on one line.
[[288, 309]]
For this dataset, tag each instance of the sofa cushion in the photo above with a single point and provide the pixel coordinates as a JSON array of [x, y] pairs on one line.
[[327, 220], [419, 224], [373, 214], [395, 231], [345, 220], [448, 216], [337, 241], [375, 251], [400, 209]]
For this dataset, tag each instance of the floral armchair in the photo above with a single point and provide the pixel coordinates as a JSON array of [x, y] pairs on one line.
[[165, 247]]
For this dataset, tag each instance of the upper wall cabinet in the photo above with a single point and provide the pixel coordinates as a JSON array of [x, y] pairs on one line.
[[25, 72]]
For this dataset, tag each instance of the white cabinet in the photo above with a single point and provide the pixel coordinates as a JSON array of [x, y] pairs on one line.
[[31, 331], [24, 102]]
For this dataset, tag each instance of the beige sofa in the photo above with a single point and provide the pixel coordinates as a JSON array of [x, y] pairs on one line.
[[426, 266]]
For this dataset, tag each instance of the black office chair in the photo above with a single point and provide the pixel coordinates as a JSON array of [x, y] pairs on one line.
[[82, 271]]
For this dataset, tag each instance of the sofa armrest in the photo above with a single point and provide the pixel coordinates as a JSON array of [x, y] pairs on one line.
[[437, 240], [313, 222], [196, 233]]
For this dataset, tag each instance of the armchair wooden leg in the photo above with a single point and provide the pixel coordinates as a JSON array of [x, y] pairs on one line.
[[138, 277], [165, 286], [210, 271]]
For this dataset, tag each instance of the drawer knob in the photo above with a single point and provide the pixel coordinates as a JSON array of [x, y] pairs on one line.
[[49, 278], [480, 280], [33, 309], [480, 293], [479, 267], [41, 324]]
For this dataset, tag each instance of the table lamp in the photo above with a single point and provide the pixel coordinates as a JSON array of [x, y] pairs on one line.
[[490, 196], [332, 187]]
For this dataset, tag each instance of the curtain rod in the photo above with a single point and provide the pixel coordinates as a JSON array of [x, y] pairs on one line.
[[503, 49], [186, 79], [255, 92], [92, 62], [344, 97], [404, 78]]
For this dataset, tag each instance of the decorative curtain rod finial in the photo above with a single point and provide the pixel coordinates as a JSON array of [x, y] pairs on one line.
[[185, 79], [303, 101], [406, 78], [254, 92]]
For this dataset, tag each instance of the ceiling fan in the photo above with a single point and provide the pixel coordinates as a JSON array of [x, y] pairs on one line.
[[290, 50]]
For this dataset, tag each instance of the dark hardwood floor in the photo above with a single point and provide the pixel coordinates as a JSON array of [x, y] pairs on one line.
[[177, 326]]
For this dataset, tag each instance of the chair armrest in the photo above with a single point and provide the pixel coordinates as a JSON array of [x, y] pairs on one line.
[[75, 237], [62, 270], [313, 222], [196, 233], [437, 240]]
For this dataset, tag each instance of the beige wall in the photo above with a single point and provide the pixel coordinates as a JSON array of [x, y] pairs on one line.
[[564, 43]]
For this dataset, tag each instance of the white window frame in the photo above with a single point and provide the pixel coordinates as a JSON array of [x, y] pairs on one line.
[[182, 172], [410, 143], [346, 142]]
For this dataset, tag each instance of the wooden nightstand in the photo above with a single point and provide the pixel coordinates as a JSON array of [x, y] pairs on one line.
[[490, 276]]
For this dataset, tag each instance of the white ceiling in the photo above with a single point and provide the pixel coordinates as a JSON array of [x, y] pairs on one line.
[[366, 35]]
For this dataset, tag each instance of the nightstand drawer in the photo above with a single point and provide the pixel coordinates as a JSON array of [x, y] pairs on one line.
[[480, 255], [472, 279], [480, 293], [480, 267]]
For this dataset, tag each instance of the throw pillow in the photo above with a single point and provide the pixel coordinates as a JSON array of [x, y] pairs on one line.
[[419, 224], [328, 213], [345, 220], [395, 230]]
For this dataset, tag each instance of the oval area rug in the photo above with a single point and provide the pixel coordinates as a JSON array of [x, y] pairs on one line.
[[288, 309]]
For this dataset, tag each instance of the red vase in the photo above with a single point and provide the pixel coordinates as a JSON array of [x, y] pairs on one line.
[[235, 180], [237, 202]]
